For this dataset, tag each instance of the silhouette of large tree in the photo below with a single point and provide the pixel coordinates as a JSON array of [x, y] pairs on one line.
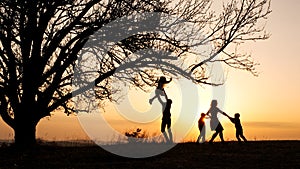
[[40, 41]]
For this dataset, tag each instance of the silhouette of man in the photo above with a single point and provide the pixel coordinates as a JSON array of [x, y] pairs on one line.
[[239, 129], [166, 122], [214, 122]]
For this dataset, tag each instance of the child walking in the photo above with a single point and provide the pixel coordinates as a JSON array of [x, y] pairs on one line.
[[202, 128], [239, 129]]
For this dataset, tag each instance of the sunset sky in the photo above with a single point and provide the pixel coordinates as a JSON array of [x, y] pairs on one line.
[[268, 104]]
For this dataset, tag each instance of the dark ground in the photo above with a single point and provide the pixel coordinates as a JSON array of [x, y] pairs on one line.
[[254, 155]]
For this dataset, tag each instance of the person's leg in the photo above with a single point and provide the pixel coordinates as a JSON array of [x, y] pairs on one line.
[[166, 137], [202, 135], [151, 100], [163, 126], [243, 137], [237, 135], [213, 137], [198, 139], [160, 94], [170, 135], [169, 130], [162, 129], [221, 136], [219, 130]]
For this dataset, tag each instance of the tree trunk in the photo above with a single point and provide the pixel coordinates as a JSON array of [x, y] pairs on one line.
[[25, 133]]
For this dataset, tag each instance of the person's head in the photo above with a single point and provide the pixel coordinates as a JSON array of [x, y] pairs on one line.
[[214, 103], [202, 118], [162, 79], [169, 102], [237, 115]]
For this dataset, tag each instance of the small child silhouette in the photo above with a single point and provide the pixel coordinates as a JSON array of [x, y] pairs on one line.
[[202, 128], [239, 129], [160, 91]]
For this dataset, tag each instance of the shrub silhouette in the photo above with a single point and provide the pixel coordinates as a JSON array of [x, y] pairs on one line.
[[135, 136]]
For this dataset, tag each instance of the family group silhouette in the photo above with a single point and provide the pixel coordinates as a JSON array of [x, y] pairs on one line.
[[211, 114], [216, 125]]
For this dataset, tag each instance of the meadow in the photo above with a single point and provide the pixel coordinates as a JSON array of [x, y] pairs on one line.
[[254, 154]]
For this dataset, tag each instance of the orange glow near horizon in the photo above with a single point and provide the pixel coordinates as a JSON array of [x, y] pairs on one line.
[[268, 104]]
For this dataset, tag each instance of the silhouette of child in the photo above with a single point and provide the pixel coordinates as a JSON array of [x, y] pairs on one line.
[[202, 128], [214, 122], [166, 122], [239, 129], [160, 91]]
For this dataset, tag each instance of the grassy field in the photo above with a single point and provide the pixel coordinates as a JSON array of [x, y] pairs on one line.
[[254, 155]]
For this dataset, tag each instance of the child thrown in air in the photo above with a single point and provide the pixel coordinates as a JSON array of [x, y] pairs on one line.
[[160, 91]]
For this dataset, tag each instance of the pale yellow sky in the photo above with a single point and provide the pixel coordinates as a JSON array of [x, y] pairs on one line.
[[268, 104]]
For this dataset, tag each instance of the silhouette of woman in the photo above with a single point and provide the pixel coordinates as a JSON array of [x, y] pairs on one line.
[[214, 122]]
